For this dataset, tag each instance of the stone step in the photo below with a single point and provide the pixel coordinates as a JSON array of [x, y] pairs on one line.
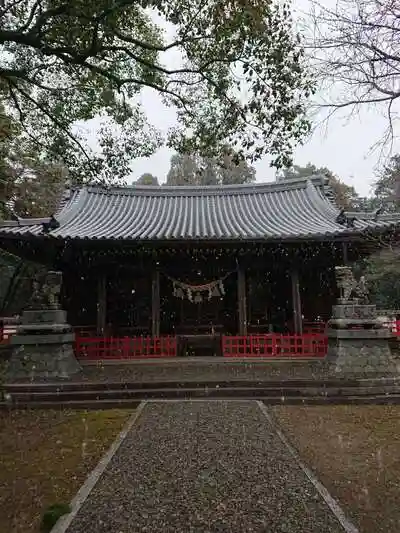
[[25, 397], [131, 403], [145, 385]]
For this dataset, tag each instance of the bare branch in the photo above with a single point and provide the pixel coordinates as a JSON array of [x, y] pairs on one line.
[[356, 46]]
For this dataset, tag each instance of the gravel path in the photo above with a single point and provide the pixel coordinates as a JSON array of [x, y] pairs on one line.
[[203, 467]]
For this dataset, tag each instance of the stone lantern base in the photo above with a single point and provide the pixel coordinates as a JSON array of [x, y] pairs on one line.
[[358, 344], [43, 347], [360, 353]]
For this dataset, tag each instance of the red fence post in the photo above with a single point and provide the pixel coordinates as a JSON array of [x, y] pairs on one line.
[[264, 345], [275, 345], [124, 347]]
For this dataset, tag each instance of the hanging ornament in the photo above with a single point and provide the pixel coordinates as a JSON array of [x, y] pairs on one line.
[[215, 291], [221, 287], [198, 298], [197, 293]]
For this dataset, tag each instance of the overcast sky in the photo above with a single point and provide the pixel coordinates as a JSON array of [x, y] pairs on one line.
[[343, 145]]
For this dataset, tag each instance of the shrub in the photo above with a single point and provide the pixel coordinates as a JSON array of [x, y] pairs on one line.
[[52, 514]]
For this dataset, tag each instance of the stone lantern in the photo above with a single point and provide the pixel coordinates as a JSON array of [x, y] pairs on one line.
[[358, 342], [43, 343]]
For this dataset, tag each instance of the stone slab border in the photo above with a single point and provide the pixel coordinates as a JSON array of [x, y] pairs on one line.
[[203, 360], [333, 505], [65, 521]]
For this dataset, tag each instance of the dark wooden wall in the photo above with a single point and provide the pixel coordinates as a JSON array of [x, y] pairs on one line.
[[268, 289]]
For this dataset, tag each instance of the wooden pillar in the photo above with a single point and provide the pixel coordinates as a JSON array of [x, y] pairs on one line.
[[101, 304], [242, 305], [296, 300], [345, 253], [155, 303]]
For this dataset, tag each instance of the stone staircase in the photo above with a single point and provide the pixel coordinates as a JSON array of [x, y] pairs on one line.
[[102, 395]]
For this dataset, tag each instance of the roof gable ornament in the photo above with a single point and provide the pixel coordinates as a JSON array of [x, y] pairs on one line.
[[344, 220], [377, 213], [50, 224]]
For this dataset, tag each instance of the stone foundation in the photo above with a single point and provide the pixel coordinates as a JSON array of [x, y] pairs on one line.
[[358, 344], [361, 357], [43, 344], [41, 361]]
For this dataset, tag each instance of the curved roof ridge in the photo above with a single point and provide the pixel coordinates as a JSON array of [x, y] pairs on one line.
[[320, 200], [195, 190], [72, 205]]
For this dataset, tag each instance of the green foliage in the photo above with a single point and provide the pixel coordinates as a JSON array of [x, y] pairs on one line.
[[8, 266], [52, 514], [60, 66], [387, 187], [197, 170], [16, 276], [147, 179], [383, 274], [242, 79], [381, 269], [30, 184]]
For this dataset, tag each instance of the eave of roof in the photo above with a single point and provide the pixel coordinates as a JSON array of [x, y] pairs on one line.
[[289, 210]]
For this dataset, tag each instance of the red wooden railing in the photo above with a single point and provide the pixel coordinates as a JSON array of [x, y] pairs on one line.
[[312, 344], [274, 345], [5, 332], [394, 327], [90, 348]]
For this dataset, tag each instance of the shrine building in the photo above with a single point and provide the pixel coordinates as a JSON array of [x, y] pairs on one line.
[[197, 264]]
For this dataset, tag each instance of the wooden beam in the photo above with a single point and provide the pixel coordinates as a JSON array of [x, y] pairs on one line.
[[155, 303], [296, 300], [101, 304], [242, 304]]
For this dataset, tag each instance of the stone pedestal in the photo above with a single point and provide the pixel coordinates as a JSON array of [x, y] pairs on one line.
[[358, 344], [43, 343]]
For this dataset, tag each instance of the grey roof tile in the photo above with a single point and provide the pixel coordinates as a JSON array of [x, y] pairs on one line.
[[287, 210]]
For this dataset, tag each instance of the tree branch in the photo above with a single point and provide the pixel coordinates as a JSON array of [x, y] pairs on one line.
[[8, 7], [51, 117], [355, 45]]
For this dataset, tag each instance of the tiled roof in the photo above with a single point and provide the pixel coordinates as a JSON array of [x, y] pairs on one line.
[[268, 211]]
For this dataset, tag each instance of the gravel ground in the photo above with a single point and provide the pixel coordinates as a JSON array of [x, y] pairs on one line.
[[203, 467], [207, 371]]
